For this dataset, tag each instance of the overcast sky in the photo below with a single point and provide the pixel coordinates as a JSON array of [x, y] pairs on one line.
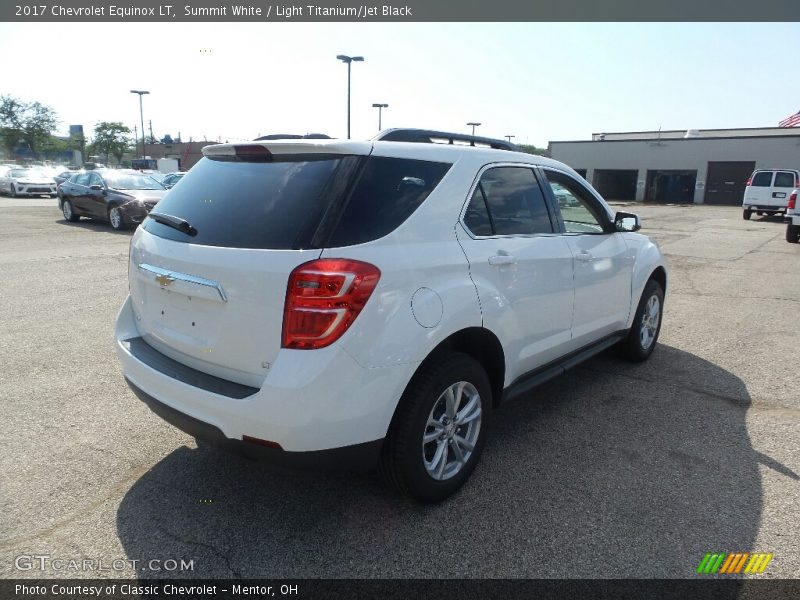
[[539, 82]]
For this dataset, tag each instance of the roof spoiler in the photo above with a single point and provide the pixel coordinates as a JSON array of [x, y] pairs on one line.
[[293, 136], [429, 136]]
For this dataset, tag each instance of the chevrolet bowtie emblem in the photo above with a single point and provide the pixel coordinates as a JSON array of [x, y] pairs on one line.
[[164, 280]]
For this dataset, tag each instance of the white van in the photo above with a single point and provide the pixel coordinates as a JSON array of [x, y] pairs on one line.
[[768, 191]]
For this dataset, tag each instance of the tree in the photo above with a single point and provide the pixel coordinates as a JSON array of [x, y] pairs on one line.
[[530, 149], [28, 124], [111, 139]]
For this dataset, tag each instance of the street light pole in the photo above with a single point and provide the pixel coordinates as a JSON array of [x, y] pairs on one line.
[[141, 113], [380, 107], [474, 125], [508, 137], [349, 60]]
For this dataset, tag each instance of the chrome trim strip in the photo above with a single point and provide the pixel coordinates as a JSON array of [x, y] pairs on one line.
[[176, 276]]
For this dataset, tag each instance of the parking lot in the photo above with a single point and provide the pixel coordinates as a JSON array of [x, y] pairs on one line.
[[614, 470]]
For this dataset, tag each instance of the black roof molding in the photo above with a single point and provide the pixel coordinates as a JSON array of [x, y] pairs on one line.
[[429, 136]]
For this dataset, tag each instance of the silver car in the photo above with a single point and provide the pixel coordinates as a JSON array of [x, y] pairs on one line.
[[27, 182]]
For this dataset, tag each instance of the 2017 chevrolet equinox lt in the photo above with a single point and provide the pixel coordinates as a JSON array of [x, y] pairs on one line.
[[370, 303]]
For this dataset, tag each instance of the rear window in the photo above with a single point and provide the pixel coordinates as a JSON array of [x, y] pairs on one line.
[[762, 179], [784, 179], [296, 202], [276, 205]]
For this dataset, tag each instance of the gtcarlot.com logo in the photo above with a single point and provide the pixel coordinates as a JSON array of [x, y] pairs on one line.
[[733, 563], [45, 562]]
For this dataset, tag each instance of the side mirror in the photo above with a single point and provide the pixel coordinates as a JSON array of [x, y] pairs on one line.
[[624, 221]]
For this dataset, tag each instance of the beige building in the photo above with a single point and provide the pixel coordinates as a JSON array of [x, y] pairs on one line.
[[188, 153]]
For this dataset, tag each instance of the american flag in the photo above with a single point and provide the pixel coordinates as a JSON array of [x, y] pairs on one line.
[[792, 121]]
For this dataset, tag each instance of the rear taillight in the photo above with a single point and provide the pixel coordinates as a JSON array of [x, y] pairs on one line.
[[323, 299], [792, 201], [749, 182]]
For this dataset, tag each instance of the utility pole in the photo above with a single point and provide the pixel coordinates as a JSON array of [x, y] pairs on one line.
[[141, 113], [349, 60], [380, 107], [474, 125]]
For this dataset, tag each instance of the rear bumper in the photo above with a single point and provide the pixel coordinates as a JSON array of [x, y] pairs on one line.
[[359, 457], [765, 207], [309, 401]]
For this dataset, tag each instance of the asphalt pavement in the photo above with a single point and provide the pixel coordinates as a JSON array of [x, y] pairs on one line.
[[613, 470]]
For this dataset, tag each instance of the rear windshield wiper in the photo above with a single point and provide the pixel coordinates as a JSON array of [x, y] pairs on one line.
[[181, 225]]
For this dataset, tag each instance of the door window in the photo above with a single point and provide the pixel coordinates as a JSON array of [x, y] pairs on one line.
[[94, 179], [579, 210], [508, 201]]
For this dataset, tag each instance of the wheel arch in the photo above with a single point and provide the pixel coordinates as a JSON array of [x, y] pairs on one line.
[[482, 345], [659, 274]]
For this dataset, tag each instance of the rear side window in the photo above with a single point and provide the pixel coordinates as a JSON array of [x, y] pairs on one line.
[[269, 205], [387, 192], [784, 179], [508, 201], [762, 179]]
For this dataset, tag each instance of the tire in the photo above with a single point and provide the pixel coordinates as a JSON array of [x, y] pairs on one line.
[[641, 340], [69, 212], [792, 233], [746, 214], [431, 471], [116, 218]]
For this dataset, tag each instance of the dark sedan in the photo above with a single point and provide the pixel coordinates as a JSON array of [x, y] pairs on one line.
[[121, 197]]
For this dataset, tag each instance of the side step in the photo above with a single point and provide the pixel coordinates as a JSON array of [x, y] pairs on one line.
[[525, 383]]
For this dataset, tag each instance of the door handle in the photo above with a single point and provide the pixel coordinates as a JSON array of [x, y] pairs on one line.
[[584, 256], [502, 259]]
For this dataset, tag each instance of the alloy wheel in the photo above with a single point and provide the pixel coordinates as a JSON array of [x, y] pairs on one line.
[[650, 320], [115, 217], [452, 431]]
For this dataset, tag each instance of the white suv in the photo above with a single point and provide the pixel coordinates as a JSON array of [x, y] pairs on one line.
[[353, 304]]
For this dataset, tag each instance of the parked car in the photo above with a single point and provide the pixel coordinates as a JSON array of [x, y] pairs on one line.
[[121, 197], [353, 304], [172, 178], [157, 175], [63, 176], [793, 215], [27, 182], [768, 190]]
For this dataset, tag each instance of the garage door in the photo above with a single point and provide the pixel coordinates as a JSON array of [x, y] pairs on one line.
[[616, 184], [726, 181]]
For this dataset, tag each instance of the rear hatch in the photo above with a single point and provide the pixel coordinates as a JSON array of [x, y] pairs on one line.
[[208, 278]]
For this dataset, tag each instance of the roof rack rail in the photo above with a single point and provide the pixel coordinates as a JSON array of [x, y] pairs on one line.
[[293, 136], [429, 136]]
